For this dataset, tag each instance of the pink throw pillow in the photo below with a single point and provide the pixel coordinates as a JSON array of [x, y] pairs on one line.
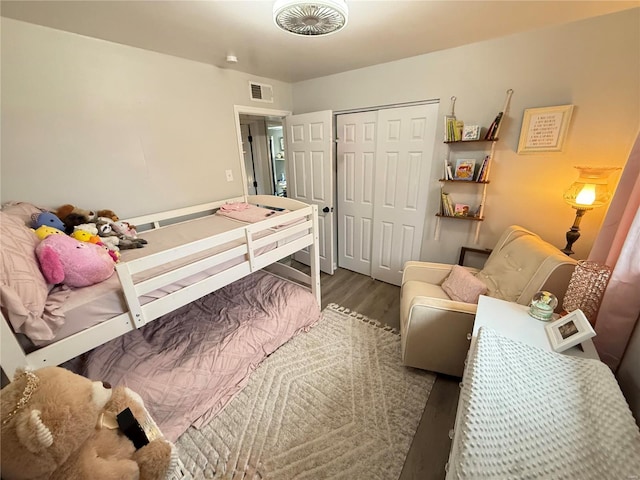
[[462, 286], [24, 293]]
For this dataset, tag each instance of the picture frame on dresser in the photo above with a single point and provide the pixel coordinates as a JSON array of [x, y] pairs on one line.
[[568, 331]]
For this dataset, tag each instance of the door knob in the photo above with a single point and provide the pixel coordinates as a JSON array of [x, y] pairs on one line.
[[327, 209]]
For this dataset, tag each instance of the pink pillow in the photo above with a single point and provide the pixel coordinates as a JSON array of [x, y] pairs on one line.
[[24, 293], [22, 210], [462, 286]]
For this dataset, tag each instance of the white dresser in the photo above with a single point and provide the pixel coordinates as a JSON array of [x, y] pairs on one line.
[[513, 321]]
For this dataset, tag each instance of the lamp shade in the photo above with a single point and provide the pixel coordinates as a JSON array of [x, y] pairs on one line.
[[310, 17], [591, 189]]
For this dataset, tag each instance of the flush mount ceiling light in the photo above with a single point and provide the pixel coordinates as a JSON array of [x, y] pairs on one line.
[[308, 17]]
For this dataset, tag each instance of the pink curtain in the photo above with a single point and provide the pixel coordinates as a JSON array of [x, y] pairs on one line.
[[618, 245]]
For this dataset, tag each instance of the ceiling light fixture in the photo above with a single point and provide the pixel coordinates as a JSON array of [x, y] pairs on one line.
[[308, 17]]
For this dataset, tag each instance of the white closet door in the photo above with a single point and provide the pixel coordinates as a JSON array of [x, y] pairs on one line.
[[356, 134], [404, 153], [310, 170]]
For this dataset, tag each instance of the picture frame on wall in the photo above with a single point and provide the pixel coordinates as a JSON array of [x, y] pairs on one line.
[[544, 129], [569, 331]]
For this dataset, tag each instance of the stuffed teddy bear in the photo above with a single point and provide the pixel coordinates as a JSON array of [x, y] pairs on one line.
[[108, 214], [66, 260], [58, 425], [72, 216]]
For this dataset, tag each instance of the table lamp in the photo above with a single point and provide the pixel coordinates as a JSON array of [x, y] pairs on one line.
[[590, 190]]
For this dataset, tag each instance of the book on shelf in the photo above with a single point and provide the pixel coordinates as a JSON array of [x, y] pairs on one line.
[[446, 206], [449, 128], [464, 169], [483, 171], [457, 133], [494, 127], [461, 210], [471, 132], [487, 170], [447, 174]]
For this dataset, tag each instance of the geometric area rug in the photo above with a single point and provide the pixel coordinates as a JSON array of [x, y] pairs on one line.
[[332, 403]]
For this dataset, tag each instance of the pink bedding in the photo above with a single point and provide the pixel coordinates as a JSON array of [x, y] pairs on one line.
[[190, 363], [245, 212]]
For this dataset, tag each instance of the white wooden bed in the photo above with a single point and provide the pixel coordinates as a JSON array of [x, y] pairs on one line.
[[236, 252]]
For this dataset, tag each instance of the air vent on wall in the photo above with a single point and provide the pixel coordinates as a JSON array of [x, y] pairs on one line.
[[261, 92]]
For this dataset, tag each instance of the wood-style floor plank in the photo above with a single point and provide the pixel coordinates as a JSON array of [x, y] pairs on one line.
[[429, 451]]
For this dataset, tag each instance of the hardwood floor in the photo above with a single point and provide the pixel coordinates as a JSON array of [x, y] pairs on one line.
[[381, 301]]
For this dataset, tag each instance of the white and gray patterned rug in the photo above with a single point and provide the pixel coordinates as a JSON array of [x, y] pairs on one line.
[[333, 403]]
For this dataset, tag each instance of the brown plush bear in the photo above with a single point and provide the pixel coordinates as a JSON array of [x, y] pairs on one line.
[[72, 216], [108, 214], [58, 425]]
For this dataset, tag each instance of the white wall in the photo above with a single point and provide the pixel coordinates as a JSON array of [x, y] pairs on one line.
[[102, 125], [592, 64]]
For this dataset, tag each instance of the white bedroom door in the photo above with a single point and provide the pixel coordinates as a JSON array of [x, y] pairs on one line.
[[356, 150], [310, 170], [404, 154]]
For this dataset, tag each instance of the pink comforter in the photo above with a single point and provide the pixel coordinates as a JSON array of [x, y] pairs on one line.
[[187, 365]]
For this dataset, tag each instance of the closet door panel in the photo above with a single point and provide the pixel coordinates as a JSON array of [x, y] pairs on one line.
[[356, 135], [404, 151]]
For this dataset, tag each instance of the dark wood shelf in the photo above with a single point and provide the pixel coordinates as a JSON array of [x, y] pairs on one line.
[[473, 141], [462, 181], [460, 217]]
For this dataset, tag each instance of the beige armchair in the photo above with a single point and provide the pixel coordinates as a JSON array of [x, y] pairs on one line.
[[435, 330]]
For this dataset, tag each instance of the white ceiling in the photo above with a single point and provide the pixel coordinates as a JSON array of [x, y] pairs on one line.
[[377, 32]]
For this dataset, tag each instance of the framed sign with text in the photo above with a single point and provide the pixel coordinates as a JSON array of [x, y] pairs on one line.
[[544, 129]]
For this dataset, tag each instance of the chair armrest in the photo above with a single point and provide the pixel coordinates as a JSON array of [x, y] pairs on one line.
[[433, 273], [443, 304]]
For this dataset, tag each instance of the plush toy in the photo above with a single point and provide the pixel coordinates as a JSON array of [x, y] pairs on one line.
[[87, 227], [84, 236], [125, 242], [46, 218], [124, 228], [44, 231], [72, 216], [65, 260], [58, 425], [108, 214]]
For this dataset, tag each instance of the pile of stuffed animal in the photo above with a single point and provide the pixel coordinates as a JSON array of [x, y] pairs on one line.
[[57, 425], [79, 247]]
